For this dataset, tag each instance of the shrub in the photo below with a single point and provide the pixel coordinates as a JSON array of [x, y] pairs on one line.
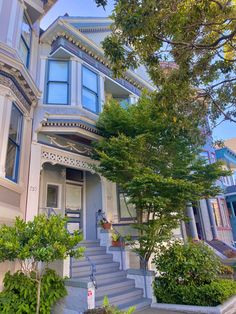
[[192, 263], [18, 295], [211, 294], [109, 309], [226, 270], [189, 275]]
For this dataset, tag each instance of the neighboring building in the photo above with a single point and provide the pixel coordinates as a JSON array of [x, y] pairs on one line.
[[19, 94], [210, 217], [228, 157]]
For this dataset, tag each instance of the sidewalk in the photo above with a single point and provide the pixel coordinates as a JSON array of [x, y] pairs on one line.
[[156, 311]]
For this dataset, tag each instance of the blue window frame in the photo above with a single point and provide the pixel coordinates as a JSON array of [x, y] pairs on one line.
[[25, 41], [14, 144], [90, 90], [58, 82]]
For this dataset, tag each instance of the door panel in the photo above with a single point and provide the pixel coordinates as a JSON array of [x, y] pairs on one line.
[[74, 206]]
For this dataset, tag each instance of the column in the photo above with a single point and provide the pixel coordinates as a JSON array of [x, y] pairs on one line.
[[102, 92], [34, 182], [79, 84], [212, 219], [192, 222], [74, 87], [42, 79], [5, 113]]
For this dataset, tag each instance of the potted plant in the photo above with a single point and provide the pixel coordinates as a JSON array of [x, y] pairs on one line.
[[105, 224], [116, 240]]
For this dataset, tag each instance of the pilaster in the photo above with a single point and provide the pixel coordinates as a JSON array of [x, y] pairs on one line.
[[74, 86], [192, 222], [34, 182], [212, 219]]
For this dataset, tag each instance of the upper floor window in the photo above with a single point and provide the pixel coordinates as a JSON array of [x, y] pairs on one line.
[[58, 82], [14, 144], [204, 155], [90, 90], [25, 41]]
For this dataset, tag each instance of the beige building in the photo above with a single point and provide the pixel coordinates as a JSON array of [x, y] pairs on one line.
[[19, 94]]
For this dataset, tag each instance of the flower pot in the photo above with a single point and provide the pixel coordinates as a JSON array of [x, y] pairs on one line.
[[106, 225], [117, 243]]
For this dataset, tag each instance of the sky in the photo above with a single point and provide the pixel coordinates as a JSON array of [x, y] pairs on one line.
[[88, 8]]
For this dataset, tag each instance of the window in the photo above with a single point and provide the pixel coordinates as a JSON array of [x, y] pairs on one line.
[[224, 211], [204, 155], [90, 90], [216, 209], [52, 196], [58, 82], [14, 142], [25, 41], [127, 210]]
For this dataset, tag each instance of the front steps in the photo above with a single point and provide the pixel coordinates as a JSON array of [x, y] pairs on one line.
[[111, 281]]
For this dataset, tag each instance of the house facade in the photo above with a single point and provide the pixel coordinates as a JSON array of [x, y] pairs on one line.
[[228, 157], [19, 94], [76, 81]]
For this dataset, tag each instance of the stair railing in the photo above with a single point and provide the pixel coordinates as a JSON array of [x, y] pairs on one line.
[[101, 215], [92, 275]]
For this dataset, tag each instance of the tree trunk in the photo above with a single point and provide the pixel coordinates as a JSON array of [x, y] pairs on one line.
[[38, 295]]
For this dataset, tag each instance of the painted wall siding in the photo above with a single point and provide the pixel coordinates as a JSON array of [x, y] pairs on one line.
[[93, 203], [205, 220]]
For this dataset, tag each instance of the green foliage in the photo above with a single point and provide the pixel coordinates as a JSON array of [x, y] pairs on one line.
[[43, 239], [151, 150], [198, 36], [211, 294], [108, 309], [19, 293], [194, 264], [193, 276]]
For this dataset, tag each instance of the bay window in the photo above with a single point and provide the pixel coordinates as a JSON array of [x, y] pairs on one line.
[[25, 41], [90, 90], [58, 82], [14, 144]]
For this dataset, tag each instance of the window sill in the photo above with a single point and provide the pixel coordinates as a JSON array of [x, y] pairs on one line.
[[11, 185]]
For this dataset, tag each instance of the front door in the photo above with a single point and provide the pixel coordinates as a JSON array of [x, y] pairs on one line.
[[74, 206]]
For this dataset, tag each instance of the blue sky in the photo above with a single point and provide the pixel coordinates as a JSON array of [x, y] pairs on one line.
[[88, 8]]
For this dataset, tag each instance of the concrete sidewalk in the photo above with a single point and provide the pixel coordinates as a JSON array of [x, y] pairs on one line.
[[156, 311]]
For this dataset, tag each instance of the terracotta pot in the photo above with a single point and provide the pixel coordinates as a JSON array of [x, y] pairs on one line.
[[106, 226], [117, 243]]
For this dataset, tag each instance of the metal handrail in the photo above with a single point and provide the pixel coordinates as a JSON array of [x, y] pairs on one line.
[[93, 271]]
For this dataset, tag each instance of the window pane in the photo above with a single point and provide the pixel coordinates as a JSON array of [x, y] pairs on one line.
[[11, 161], [216, 210], [26, 31], [24, 52], [58, 93], [127, 210], [52, 196], [15, 125], [89, 100], [58, 71], [90, 80]]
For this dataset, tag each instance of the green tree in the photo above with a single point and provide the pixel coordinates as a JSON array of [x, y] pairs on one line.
[[35, 244], [199, 36], [151, 150]]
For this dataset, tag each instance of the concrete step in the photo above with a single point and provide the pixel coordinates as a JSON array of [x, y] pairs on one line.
[[104, 277], [86, 270], [117, 298], [140, 304], [95, 250], [96, 259], [89, 243], [117, 286]]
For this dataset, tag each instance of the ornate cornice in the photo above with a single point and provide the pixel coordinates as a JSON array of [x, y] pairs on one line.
[[10, 82], [76, 48], [56, 156], [70, 123]]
